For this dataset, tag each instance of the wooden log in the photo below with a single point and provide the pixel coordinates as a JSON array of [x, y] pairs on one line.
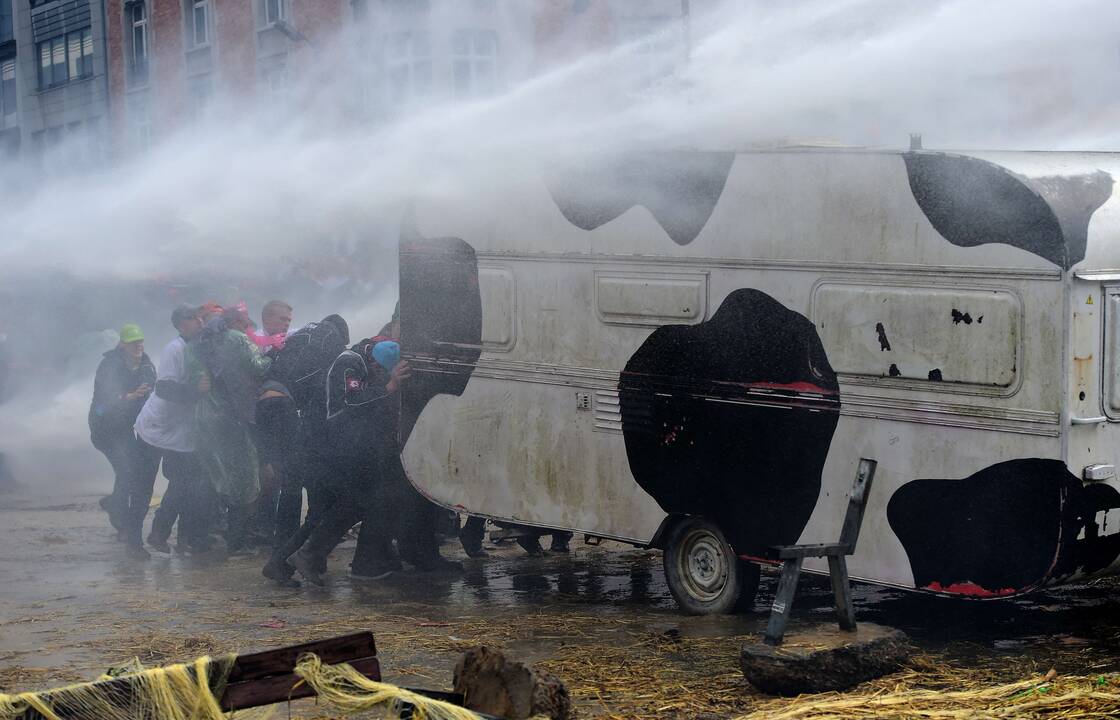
[[281, 660], [281, 688]]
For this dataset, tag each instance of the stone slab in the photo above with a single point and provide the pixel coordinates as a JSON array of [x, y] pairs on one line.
[[823, 658]]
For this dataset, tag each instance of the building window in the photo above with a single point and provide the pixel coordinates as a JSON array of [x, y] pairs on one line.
[[139, 122], [138, 57], [275, 11], [475, 62], [199, 23], [7, 29], [7, 87], [408, 66], [65, 58], [657, 44], [52, 62], [200, 89], [274, 86]]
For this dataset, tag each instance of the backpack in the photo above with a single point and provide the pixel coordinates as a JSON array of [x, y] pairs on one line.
[[302, 365]]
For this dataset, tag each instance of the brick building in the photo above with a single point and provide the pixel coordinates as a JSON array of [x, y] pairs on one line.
[[172, 61]]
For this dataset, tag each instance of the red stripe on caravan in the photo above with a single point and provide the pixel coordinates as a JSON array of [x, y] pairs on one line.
[[970, 589]]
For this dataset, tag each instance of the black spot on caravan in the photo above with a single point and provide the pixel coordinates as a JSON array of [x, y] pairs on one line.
[[935, 375], [732, 419], [441, 320], [1005, 530], [893, 371], [959, 317], [997, 532], [1098, 545], [884, 344], [680, 189], [972, 202]]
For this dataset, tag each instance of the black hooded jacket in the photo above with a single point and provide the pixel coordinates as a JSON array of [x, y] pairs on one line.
[[361, 414], [111, 415], [301, 367]]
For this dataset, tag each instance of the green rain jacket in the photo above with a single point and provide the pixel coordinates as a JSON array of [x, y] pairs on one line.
[[224, 416]]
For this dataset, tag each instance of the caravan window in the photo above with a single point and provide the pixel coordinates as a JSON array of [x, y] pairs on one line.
[[651, 298], [496, 286], [927, 338]]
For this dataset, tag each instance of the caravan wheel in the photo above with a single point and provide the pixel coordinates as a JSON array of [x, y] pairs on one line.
[[704, 574]]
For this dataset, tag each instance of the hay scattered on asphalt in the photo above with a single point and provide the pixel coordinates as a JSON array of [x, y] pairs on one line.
[[618, 667], [16, 678], [956, 694], [158, 648]]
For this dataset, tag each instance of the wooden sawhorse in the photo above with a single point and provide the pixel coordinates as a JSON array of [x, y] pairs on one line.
[[793, 555]]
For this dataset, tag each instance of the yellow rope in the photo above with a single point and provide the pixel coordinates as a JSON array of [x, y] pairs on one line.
[[176, 692], [348, 691], [183, 692]]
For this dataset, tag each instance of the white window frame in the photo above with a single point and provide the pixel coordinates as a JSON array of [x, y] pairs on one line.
[[200, 91], [410, 61], [136, 60], [140, 122], [192, 23], [475, 60], [281, 11], [276, 86]]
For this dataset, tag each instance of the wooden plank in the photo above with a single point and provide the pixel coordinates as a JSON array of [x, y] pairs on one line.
[[288, 686], [783, 602], [282, 660], [861, 490], [443, 695], [786, 552], [841, 589]]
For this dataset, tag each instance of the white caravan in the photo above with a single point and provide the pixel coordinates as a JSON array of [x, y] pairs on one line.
[[692, 350]]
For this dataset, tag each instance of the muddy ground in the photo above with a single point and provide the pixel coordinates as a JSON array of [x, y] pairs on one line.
[[72, 604]]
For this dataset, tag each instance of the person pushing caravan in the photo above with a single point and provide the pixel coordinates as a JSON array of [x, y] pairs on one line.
[[165, 433]]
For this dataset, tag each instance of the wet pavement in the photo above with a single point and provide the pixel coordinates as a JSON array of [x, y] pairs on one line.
[[72, 604]]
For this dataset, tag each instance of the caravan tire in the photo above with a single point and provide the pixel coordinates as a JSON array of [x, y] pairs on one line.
[[703, 572]]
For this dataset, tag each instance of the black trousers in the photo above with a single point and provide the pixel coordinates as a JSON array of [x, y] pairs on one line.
[[187, 498], [120, 452], [314, 473], [398, 512], [353, 484], [374, 491], [281, 446], [185, 501]]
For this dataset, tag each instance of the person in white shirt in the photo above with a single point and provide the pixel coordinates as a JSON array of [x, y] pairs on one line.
[[165, 431]]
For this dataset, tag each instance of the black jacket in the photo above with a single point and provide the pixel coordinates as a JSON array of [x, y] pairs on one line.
[[361, 414], [111, 416], [301, 366]]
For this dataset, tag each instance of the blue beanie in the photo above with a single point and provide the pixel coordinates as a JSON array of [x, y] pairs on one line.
[[387, 354]]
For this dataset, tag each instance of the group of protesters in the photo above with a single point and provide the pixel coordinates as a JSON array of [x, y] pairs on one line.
[[244, 422]]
